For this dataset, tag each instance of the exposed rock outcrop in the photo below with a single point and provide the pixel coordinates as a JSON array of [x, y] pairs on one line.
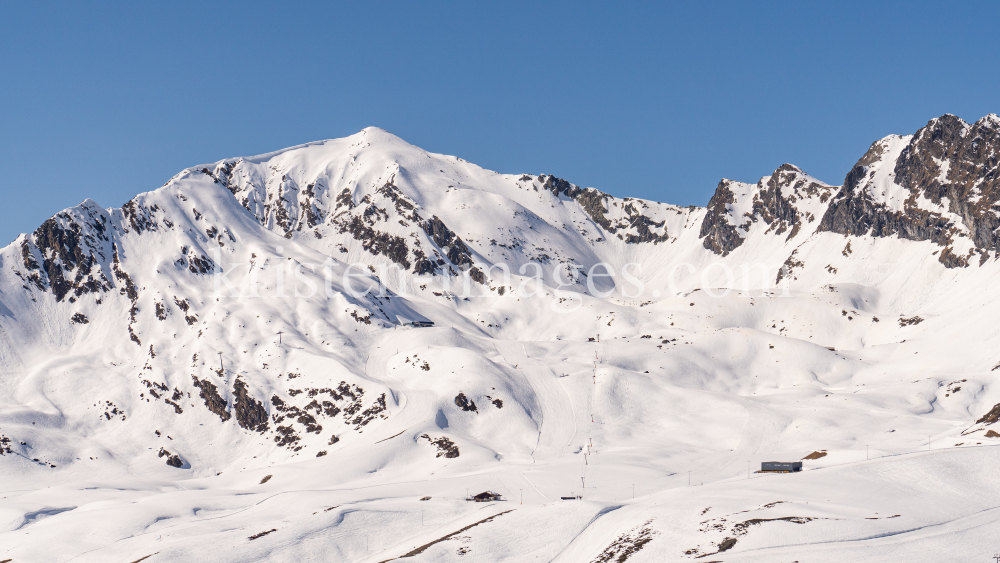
[[785, 202], [250, 413], [69, 253], [595, 204], [943, 186], [719, 229], [213, 401]]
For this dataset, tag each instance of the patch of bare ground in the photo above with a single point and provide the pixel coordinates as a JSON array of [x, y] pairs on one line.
[[816, 455], [445, 447], [136, 561], [266, 479], [262, 534], [424, 547], [987, 419], [724, 545], [741, 527], [990, 417], [734, 531], [173, 460], [627, 544]]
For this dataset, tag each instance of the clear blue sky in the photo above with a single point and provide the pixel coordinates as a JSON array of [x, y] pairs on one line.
[[652, 100]]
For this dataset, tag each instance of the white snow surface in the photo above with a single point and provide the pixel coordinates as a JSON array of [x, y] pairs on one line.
[[650, 406]]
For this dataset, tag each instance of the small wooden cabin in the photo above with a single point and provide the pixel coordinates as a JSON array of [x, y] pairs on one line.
[[486, 496]]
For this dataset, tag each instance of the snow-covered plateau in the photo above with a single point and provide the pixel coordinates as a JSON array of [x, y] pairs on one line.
[[237, 366]]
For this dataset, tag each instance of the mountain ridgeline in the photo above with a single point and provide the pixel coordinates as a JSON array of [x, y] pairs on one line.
[[940, 184]]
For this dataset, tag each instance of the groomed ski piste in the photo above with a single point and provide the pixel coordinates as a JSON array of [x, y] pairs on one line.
[[218, 371]]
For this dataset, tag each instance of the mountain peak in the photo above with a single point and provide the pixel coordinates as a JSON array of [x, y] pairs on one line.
[[785, 201], [939, 184], [379, 136], [991, 120]]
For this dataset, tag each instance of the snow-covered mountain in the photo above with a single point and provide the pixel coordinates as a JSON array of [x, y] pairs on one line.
[[223, 368]]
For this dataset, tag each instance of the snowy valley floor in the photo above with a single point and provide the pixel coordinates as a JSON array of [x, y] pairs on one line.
[[601, 437]]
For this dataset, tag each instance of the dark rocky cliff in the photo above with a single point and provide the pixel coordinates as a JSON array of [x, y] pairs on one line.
[[948, 171], [774, 204], [948, 162], [720, 236]]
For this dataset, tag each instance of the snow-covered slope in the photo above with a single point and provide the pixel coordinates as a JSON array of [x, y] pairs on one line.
[[223, 369]]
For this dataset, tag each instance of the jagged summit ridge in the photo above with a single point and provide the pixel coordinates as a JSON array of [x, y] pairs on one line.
[[374, 195], [940, 184], [783, 202]]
